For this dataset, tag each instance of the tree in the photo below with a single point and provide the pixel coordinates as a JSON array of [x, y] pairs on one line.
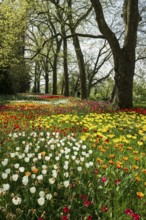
[[95, 65], [44, 40], [73, 24], [57, 22], [124, 57], [12, 33], [67, 16]]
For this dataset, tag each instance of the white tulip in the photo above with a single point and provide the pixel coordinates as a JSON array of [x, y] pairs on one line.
[[91, 163], [65, 166], [42, 194], [57, 158], [52, 180], [12, 155], [44, 172], [26, 159], [32, 189], [44, 166], [16, 165], [90, 151], [49, 196], [87, 165], [54, 173], [82, 158], [52, 147], [5, 162], [79, 169], [47, 158], [4, 176], [21, 169], [33, 176], [16, 200], [6, 186], [25, 180], [8, 171], [40, 177], [67, 156], [66, 174], [73, 157], [66, 183], [84, 147], [15, 177], [41, 201]]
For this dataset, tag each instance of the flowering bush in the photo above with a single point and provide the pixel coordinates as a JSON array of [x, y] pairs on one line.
[[64, 163]]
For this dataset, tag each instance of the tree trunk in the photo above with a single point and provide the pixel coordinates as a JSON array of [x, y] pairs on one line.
[[89, 87], [55, 75], [124, 58], [38, 86], [35, 87], [81, 64], [62, 87], [73, 24], [124, 73], [35, 81], [65, 65], [46, 82], [58, 42]]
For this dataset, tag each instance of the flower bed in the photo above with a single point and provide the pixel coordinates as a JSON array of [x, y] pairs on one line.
[[74, 161], [52, 97]]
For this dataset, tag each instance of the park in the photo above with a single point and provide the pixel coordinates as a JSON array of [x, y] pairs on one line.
[[72, 110]]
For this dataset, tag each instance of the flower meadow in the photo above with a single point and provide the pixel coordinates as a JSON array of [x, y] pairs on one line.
[[67, 159]]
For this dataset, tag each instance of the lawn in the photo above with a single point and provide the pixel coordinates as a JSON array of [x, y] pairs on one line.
[[67, 159]]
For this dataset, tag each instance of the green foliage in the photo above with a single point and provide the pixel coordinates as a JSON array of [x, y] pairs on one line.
[[21, 77], [6, 84], [140, 90], [12, 33], [12, 26], [103, 90], [14, 80]]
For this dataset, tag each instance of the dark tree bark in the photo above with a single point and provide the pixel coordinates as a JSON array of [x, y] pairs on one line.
[[62, 87], [81, 64], [65, 62], [66, 80], [58, 46], [35, 86], [35, 81], [38, 86], [37, 74], [46, 82], [54, 92], [45, 66], [124, 58]]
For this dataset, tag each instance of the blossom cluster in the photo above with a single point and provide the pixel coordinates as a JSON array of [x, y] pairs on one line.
[[70, 161], [40, 166]]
